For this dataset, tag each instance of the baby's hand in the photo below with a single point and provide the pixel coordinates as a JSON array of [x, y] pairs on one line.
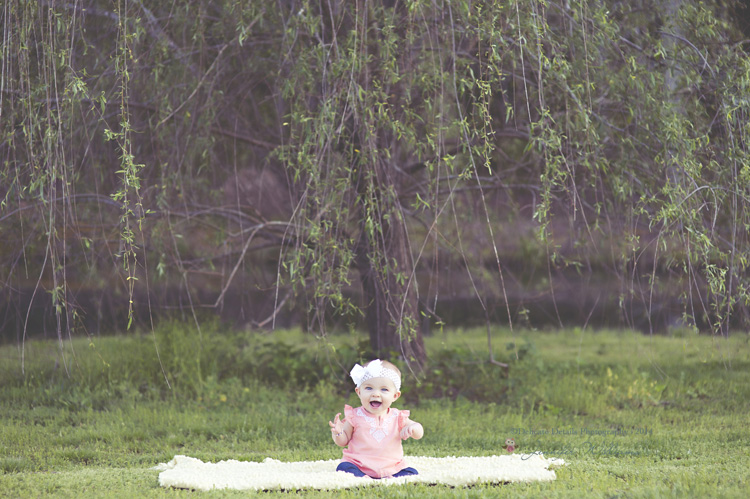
[[405, 432], [413, 430], [337, 426]]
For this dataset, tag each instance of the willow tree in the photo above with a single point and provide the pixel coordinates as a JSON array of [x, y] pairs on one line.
[[637, 143], [349, 153]]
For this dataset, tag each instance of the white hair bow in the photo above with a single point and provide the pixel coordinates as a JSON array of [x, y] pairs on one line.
[[374, 369]]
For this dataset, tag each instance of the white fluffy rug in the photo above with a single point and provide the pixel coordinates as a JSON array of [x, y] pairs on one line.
[[189, 473]]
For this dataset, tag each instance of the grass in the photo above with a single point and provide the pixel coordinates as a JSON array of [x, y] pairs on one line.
[[635, 416]]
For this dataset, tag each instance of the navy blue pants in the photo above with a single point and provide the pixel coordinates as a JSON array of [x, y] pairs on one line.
[[354, 470]]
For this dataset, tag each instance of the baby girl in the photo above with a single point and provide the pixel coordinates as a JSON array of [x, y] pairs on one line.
[[372, 433]]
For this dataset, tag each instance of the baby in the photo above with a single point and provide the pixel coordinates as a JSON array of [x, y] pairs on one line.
[[373, 433]]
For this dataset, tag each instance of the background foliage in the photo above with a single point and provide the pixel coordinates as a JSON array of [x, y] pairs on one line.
[[527, 161]]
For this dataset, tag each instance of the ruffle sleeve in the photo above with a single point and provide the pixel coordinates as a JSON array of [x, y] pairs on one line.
[[349, 415], [402, 417]]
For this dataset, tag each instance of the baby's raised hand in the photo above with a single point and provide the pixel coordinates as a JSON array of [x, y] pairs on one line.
[[337, 426], [406, 431], [413, 430]]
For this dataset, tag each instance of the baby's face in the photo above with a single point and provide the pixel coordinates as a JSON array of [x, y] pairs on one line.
[[377, 395]]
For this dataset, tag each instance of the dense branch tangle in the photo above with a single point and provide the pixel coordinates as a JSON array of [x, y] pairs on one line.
[[360, 155]]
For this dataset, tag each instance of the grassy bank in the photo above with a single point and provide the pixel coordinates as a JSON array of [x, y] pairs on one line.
[[635, 416]]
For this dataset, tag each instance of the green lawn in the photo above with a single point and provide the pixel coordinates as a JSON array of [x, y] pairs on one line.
[[633, 415]]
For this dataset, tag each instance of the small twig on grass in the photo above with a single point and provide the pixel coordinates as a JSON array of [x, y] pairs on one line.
[[489, 346]]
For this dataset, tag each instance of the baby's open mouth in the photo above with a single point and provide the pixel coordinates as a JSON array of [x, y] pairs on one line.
[[375, 404]]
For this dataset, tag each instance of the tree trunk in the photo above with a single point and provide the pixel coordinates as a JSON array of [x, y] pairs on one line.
[[390, 299]]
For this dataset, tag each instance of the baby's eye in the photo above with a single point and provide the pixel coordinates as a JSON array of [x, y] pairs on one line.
[[384, 389]]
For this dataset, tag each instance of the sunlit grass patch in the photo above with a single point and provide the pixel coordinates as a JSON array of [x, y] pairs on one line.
[[633, 415]]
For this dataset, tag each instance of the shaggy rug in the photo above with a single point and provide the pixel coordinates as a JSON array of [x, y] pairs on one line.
[[189, 473]]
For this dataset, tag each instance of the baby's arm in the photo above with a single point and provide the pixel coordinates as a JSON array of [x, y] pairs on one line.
[[412, 429], [341, 431]]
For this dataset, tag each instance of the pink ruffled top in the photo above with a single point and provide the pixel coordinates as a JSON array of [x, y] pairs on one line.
[[376, 448]]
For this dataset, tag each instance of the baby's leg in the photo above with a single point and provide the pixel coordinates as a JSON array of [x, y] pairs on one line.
[[350, 468], [406, 472]]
